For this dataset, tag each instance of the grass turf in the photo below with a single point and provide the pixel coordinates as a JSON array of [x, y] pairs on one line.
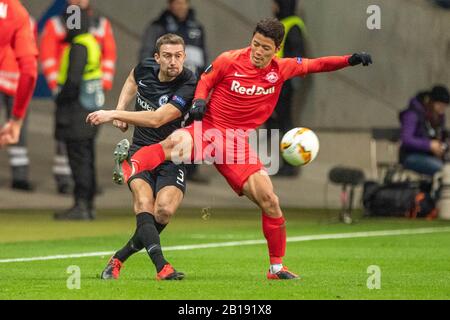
[[412, 266]]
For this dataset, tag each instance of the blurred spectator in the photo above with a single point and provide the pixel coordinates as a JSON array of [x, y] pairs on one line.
[[80, 80], [18, 72], [179, 18], [423, 132], [292, 46], [52, 46]]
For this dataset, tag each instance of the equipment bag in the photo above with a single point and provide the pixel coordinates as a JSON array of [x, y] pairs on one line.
[[400, 199]]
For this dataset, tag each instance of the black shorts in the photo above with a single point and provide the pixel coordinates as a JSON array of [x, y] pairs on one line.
[[165, 175]]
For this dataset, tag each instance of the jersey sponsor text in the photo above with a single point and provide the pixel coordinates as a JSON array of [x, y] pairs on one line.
[[252, 91]]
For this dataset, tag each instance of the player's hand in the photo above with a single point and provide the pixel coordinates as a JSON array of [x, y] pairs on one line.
[[99, 117], [10, 132], [359, 58], [123, 126], [198, 110]]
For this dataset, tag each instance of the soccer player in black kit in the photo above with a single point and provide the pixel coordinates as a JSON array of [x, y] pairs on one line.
[[163, 91]]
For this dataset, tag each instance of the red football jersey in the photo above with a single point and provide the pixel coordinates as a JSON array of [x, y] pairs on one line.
[[245, 96], [16, 41]]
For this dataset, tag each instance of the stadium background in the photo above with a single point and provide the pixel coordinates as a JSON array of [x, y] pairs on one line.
[[411, 52]]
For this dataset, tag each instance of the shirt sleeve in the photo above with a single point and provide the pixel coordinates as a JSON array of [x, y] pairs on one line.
[[48, 54], [300, 67], [109, 56], [25, 89], [24, 42], [409, 123], [182, 99], [212, 75]]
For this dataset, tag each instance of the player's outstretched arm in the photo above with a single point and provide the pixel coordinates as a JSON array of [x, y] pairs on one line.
[[148, 119], [328, 64]]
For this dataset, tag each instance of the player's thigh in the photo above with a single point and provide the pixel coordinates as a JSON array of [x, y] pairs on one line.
[[168, 199], [178, 146], [143, 199], [259, 189], [237, 175]]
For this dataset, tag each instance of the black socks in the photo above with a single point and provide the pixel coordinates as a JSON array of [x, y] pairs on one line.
[[133, 246], [145, 236], [148, 235], [160, 227]]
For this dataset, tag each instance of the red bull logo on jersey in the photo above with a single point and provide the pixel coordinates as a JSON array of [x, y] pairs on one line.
[[3, 10], [252, 91]]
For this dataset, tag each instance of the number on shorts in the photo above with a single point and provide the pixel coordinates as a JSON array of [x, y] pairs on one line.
[[180, 177]]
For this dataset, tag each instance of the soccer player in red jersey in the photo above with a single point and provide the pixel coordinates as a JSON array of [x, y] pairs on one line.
[[244, 86], [17, 51]]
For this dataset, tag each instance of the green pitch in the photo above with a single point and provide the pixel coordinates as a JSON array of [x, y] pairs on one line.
[[413, 266]]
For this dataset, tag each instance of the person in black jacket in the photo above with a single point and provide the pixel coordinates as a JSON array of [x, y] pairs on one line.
[[80, 93], [293, 46], [179, 18]]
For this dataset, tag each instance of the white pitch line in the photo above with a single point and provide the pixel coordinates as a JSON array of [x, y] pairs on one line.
[[331, 236]]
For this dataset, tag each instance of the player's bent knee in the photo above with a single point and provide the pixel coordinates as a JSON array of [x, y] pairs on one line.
[[269, 201], [163, 215], [180, 146]]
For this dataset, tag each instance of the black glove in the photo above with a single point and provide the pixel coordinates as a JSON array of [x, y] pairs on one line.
[[359, 58], [196, 112]]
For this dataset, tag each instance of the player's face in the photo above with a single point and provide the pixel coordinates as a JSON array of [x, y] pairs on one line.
[[263, 50], [171, 59]]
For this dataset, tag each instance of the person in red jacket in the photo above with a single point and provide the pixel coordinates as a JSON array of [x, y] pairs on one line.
[[18, 66], [51, 47]]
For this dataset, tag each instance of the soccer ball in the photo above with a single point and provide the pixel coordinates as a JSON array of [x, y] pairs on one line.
[[299, 146]]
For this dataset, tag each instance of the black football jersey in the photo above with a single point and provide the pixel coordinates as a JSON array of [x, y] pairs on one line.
[[153, 94]]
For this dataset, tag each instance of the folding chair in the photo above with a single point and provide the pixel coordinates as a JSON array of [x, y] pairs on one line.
[[385, 169], [347, 177]]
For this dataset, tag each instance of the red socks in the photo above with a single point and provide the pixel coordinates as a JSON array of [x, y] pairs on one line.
[[148, 158], [274, 230]]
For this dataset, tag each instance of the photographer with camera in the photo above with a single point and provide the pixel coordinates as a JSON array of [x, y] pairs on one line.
[[423, 132]]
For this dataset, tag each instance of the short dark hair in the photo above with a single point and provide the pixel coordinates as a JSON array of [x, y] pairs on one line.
[[271, 28], [169, 38]]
